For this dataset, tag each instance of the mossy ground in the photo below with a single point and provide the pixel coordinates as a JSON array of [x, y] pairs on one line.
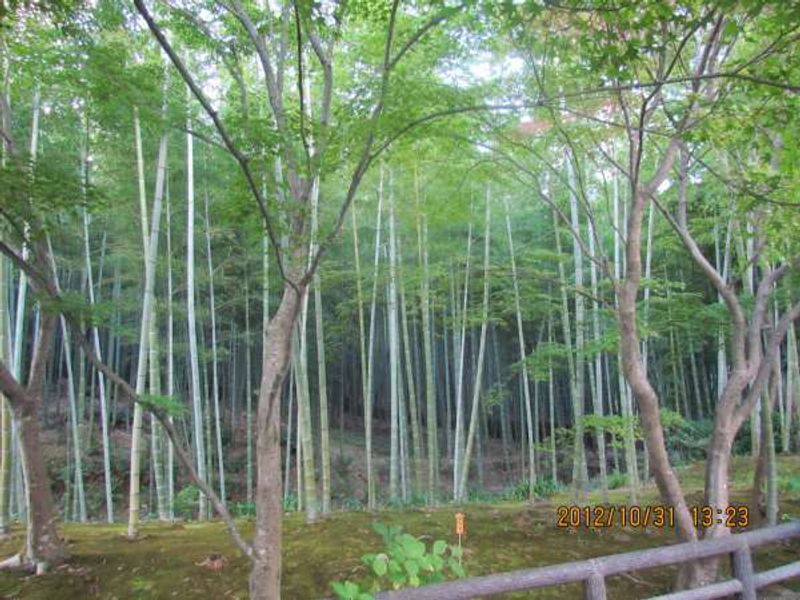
[[500, 537]]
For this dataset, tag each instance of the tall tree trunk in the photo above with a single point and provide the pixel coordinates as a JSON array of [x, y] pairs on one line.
[[460, 346], [150, 247], [365, 384], [298, 465], [402, 422], [304, 417], [597, 391], [648, 262], [194, 366], [766, 468], [21, 489], [413, 412], [156, 437], [371, 496], [723, 265], [768, 441], [264, 314], [626, 406], [646, 397], [698, 394], [476, 390], [43, 547], [101, 382], [265, 575], [80, 497], [289, 420], [427, 342], [505, 418], [394, 356], [5, 411], [580, 476], [448, 388], [169, 472], [5, 319], [552, 411], [324, 430], [526, 393], [214, 359], [248, 392], [579, 482], [792, 388]]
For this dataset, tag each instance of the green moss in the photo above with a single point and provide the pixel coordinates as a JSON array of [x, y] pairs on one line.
[[503, 537]]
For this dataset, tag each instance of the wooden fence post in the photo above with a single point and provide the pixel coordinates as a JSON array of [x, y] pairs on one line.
[[743, 571], [594, 588]]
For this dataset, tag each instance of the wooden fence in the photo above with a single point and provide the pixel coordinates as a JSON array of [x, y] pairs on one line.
[[593, 572]]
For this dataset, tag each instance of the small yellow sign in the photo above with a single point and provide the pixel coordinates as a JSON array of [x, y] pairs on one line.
[[460, 524]]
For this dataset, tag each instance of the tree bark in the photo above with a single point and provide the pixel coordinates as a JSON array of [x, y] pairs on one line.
[[526, 393], [394, 357], [597, 388], [460, 347], [579, 474], [645, 395], [5, 411], [476, 390], [43, 548], [427, 342], [307, 474], [416, 438], [626, 408], [265, 576], [635, 372], [101, 382], [371, 494], [80, 498], [214, 360], [792, 389], [169, 471], [248, 392], [150, 247], [194, 367], [322, 376]]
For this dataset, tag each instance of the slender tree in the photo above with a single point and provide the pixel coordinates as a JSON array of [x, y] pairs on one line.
[[214, 360], [526, 393], [427, 341], [476, 389], [194, 366], [150, 245], [459, 347]]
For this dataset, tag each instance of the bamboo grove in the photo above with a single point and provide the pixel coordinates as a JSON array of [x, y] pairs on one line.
[[389, 253]]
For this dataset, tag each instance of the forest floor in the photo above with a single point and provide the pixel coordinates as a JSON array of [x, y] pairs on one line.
[[164, 563]]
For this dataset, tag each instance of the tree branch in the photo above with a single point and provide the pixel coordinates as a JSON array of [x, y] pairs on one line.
[[300, 87], [366, 157], [760, 306], [325, 58], [5, 121], [765, 366], [727, 294], [232, 148], [273, 90], [38, 281], [417, 36], [15, 393]]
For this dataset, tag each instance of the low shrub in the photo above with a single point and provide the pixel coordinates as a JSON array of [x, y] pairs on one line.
[[405, 562], [617, 479], [187, 502]]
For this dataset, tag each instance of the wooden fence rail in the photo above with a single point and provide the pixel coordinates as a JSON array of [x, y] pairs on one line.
[[593, 572]]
